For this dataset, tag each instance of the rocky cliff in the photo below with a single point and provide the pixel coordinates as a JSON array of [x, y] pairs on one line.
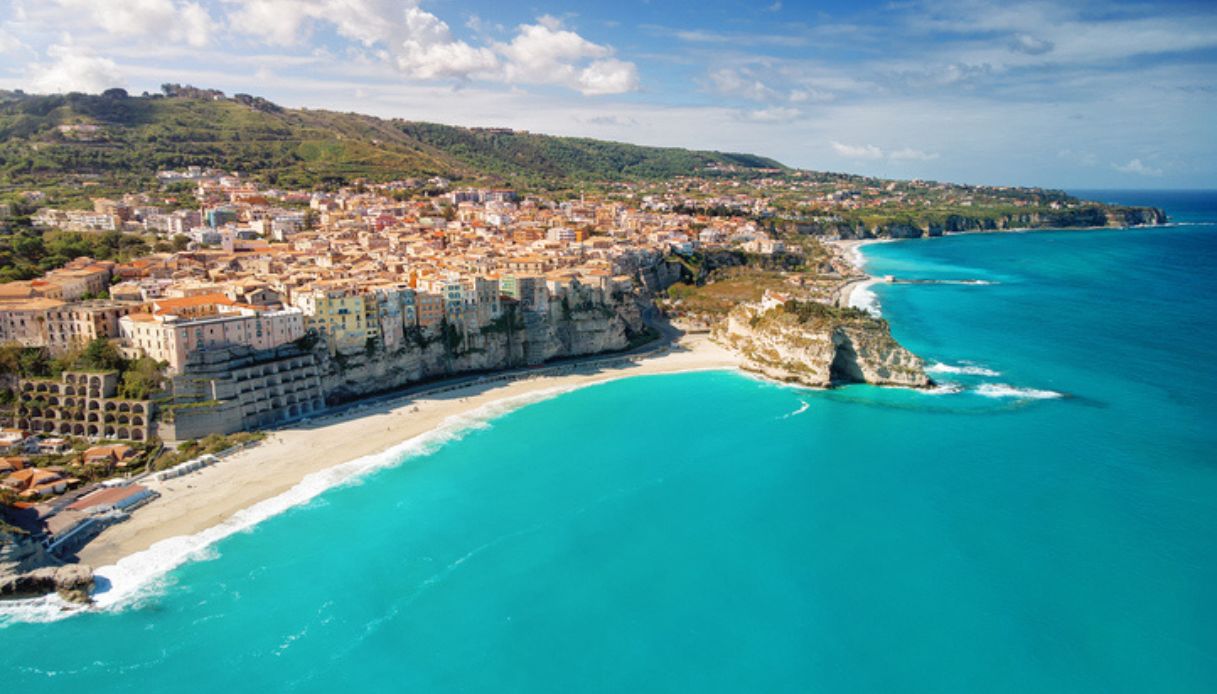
[[574, 325], [936, 225], [819, 346]]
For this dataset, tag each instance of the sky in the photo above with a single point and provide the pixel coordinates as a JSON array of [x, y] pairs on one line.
[[1108, 94]]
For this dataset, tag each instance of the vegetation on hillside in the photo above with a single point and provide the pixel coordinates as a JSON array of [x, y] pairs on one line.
[[139, 378], [41, 142], [30, 253]]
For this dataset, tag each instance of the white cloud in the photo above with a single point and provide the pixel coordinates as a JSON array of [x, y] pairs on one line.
[[429, 50], [422, 45], [874, 153], [185, 22], [609, 76], [857, 151], [73, 70], [540, 53], [908, 153], [278, 22], [775, 114], [735, 82], [547, 53], [1136, 166]]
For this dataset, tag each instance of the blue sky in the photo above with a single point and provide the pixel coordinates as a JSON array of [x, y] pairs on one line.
[[1075, 95]]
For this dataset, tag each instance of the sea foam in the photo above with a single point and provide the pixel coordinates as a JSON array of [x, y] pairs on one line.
[[964, 369], [803, 407], [864, 298], [1005, 390]]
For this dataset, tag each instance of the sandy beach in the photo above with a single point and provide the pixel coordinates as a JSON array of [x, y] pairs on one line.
[[206, 498], [849, 250]]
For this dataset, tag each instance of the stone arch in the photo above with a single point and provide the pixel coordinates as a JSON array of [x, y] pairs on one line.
[[124, 407], [94, 430], [110, 406], [78, 430], [69, 390], [137, 420], [122, 433], [94, 405], [123, 419], [137, 435], [93, 417]]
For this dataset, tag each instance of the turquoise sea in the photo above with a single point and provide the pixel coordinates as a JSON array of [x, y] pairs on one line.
[[1044, 522]]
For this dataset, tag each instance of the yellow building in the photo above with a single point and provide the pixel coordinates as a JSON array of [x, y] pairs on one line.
[[338, 314]]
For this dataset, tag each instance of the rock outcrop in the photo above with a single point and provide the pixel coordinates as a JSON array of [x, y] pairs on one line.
[[819, 346], [72, 582]]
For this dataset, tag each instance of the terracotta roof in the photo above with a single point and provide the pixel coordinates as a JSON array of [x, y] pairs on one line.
[[105, 497]]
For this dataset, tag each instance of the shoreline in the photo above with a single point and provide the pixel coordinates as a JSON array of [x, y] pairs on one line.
[[843, 296], [213, 496]]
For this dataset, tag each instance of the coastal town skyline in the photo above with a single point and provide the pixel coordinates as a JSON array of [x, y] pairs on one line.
[[1086, 96]]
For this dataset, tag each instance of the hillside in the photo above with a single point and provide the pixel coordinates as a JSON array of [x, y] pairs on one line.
[[125, 140]]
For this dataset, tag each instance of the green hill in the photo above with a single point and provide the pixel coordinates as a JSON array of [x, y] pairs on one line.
[[123, 140]]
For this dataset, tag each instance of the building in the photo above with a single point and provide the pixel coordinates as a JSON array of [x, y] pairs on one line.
[[73, 325], [237, 389], [173, 339], [83, 404], [338, 315], [25, 322]]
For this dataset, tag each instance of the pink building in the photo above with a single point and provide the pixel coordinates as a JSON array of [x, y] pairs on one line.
[[173, 339]]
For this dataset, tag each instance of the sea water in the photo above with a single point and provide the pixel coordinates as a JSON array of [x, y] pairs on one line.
[[1045, 520]]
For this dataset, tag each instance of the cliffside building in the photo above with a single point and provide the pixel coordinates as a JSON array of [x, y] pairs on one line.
[[83, 404]]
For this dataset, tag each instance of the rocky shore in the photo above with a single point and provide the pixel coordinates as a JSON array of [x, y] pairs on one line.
[[820, 346], [73, 582]]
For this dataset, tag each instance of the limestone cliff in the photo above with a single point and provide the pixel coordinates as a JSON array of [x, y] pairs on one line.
[[936, 225], [576, 325], [819, 346]]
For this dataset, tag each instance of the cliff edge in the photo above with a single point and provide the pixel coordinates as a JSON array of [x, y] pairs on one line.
[[821, 346]]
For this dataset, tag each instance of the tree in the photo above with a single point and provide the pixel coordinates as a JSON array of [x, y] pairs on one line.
[[143, 377]]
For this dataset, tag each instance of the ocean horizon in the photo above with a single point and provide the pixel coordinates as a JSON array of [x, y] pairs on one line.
[[1042, 519]]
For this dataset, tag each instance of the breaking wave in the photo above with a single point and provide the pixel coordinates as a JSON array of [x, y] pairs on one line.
[[803, 407], [1005, 390], [864, 298], [964, 369]]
